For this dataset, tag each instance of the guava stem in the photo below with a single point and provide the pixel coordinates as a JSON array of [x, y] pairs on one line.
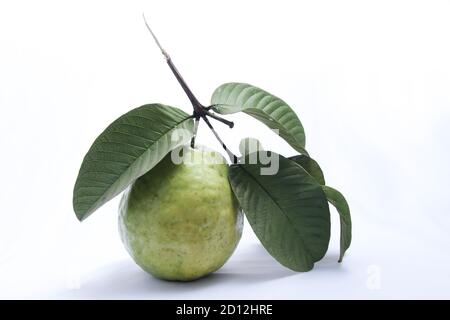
[[233, 158], [197, 121]]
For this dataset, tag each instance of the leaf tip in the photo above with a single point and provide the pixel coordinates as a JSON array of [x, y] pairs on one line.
[[80, 215], [341, 257]]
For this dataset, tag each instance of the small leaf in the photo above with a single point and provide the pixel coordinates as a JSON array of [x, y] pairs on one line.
[[270, 110], [338, 200], [125, 150], [249, 145], [287, 211], [311, 166]]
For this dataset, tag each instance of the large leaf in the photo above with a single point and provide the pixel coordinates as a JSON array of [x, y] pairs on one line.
[[288, 211], [128, 148], [338, 200], [272, 111], [311, 166]]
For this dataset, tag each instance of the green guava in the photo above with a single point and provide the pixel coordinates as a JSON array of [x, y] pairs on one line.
[[181, 221]]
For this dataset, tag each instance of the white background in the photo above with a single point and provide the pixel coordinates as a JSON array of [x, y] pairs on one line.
[[370, 81]]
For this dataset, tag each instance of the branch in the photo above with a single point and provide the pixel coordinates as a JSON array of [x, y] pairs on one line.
[[195, 103], [220, 119]]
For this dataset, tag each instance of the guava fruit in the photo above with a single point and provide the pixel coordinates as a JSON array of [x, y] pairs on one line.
[[181, 221]]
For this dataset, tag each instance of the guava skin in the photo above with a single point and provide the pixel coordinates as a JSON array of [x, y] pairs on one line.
[[181, 222]]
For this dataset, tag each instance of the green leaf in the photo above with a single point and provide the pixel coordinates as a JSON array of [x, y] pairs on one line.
[[311, 166], [272, 111], [333, 196], [126, 149], [287, 211], [249, 145], [338, 200]]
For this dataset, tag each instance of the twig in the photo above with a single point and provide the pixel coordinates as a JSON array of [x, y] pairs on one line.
[[195, 103], [197, 121], [199, 110], [233, 158], [220, 119]]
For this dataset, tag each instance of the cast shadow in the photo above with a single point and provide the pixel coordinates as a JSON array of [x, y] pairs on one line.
[[124, 279]]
